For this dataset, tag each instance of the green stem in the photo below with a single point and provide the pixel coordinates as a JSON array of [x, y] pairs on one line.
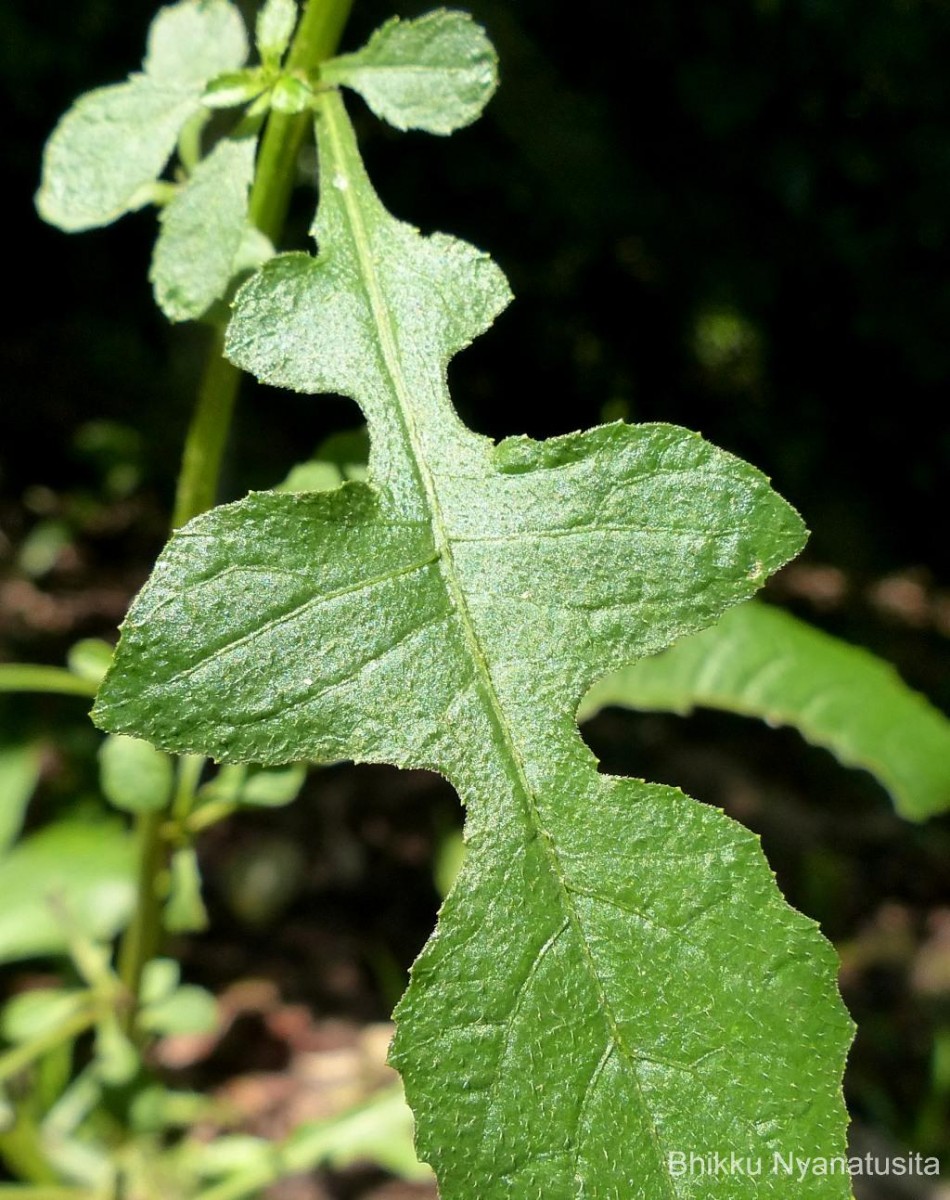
[[316, 39], [142, 939], [25, 677], [207, 435]]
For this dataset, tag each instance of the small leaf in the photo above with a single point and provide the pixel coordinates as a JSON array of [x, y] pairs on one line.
[[107, 149], [762, 662], [202, 231], [275, 28], [291, 95], [271, 789], [195, 40], [189, 1009], [185, 910], [34, 1013], [19, 775], [116, 1060], [90, 659], [135, 777], [436, 73], [234, 88], [159, 980], [97, 890], [105, 154]]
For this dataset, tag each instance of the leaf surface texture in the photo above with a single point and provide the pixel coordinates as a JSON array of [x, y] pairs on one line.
[[614, 975]]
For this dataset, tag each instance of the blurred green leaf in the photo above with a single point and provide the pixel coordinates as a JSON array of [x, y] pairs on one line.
[[19, 775], [90, 659], [274, 787], [135, 777], [185, 910], [762, 662], [191, 42], [159, 980], [87, 868], [31, 1014], [189, 1009]]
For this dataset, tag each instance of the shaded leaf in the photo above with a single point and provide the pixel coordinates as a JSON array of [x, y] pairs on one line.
[[85, 869], [615, 975], [762, 662], [202, 232], [436, 73], [271, 789]]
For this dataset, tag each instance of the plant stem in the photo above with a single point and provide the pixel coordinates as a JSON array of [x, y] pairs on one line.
[[26, 677], [316, 39]]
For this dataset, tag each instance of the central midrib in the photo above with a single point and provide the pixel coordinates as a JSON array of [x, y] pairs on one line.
[[334, 114]]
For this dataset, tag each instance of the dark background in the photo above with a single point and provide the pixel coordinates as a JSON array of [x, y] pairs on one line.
[[734, 216]]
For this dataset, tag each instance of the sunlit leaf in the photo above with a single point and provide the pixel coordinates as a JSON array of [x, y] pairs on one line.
[[436, 73], [108, 149], [615, 976]]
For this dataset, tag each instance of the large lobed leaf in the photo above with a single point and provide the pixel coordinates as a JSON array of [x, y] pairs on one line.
[[110, 147], [761, 662], [615, 976]]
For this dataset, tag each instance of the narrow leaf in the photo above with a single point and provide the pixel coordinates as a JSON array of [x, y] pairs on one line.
[[615, 976], [19, 775], [275, 27], [110, 147], [436, 73], [761, 662], [202, 231]]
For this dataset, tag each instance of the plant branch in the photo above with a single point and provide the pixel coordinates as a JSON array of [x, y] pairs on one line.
[[316, 39]]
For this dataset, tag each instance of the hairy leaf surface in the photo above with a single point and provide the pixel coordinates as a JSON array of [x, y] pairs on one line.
[[202, 231], [114, 142], [615, 976], [436, 73], [761, 662]]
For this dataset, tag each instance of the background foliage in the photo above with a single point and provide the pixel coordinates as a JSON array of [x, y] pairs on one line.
[[734, 217]]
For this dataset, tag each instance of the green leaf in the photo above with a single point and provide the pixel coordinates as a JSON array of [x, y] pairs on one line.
[[195, 40], [189, 1009], [275, 28], [90, 658], [108, 149], [32, 1014], [615, 975], [272, 789], [19, 775], [340, 457], [135, 777], [761, 662], [84, 869], [235, 87], [291, 95], [202, 231], [436, 73], [185, 911], [160, 978]]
